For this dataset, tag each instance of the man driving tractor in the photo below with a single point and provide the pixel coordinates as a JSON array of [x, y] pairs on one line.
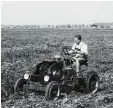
[[80, 49]]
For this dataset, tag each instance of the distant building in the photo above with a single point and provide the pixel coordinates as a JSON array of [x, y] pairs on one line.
[[102, 25]]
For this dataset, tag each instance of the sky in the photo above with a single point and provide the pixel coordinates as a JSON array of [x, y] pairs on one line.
[[74, 12]]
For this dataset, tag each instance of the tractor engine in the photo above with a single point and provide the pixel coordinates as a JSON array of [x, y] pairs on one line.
[[68, 73], [55, 73]]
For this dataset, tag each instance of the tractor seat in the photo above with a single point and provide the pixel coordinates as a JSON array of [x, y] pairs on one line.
[[83, 66], [84, 63]]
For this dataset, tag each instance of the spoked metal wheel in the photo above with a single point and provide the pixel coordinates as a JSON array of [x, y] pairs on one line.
[[52, 90], [18, 87], [92, 82]]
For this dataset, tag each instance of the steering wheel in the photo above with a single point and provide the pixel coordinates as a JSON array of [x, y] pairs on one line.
[[66, 50]]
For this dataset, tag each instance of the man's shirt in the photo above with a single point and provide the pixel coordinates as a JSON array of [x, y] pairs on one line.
[[82, 47]]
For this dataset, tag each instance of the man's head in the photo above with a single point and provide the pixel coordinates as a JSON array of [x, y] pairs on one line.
[[77, 39]]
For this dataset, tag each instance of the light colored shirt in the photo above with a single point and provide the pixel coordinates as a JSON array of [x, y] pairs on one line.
[[82, 47]]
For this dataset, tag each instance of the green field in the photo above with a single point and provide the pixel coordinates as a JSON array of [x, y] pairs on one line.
[[22, 49]]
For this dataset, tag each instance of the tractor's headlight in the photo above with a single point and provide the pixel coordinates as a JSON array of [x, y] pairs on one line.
[[26, 76], [46, 78]]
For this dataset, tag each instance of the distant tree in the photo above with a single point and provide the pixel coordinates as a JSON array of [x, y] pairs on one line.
[[102, 26], [68, 26], [79, 25], [38, 26], [52, 26], [48, 26], [56, 26], [83, 25]]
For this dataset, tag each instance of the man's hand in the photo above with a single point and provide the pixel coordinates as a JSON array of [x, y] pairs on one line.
[[75, 51], [79, 52], [70, 52]]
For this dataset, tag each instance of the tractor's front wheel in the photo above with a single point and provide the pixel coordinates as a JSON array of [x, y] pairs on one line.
[[52, 90], [92, 82], [18, 87]]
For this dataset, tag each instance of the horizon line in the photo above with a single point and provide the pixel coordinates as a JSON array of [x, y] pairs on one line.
[[58, 24]]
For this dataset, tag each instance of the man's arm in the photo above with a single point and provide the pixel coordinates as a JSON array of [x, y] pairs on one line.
[[84, 50], [72, 49], [79, 52]]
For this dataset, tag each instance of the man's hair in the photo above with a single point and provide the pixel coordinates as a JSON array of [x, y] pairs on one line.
[[78, 37]]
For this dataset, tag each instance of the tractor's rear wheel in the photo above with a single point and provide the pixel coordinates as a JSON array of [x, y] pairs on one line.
[[92, 82], [52, 90]]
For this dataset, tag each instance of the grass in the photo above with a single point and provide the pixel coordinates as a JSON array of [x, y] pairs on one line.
[[21, 50]]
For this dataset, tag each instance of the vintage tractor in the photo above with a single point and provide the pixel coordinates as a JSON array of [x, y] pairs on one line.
[[57, 76]]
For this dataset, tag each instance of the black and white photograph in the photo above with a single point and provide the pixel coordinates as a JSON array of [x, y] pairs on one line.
[[57, 54]]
